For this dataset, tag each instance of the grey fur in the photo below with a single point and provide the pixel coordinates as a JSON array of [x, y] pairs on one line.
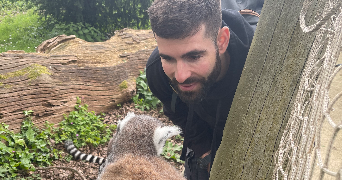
[[139, 137]]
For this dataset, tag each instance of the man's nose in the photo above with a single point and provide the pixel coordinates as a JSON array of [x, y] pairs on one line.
[[182, 72]]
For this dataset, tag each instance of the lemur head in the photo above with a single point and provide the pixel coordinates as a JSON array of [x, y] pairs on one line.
[[140, 135]]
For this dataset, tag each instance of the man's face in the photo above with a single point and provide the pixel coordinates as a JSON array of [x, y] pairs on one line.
[[193, 64]]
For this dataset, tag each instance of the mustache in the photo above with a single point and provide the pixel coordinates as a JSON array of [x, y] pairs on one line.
[[187, 81]]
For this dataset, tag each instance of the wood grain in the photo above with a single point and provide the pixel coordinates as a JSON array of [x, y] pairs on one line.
[[69, 75]]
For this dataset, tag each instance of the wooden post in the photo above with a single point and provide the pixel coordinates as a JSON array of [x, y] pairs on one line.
[[266, 91]]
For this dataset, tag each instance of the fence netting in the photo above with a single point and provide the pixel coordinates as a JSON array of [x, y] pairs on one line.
[[300, 149]]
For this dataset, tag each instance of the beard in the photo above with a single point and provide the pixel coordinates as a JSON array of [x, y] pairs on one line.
[[205, 84]]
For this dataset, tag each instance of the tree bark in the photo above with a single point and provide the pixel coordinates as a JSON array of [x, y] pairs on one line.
[[102, 74], [264, 97]]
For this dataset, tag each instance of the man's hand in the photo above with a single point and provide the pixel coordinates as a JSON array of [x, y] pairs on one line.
[[204, 155]]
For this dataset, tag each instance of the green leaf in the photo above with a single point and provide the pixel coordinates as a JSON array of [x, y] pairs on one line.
[[144, 98], [4, 137], [98, 39], [25, 161], [82, 37], [85, 31], [89, 38], [30, 134], [20, 142], [3, 146], [3, 171], [3, 127], [27, 113]]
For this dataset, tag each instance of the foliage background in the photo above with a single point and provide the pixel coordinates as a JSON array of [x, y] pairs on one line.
[[24, 24], [104, 15]]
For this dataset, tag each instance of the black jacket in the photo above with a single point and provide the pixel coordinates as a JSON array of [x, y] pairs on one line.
[[203, 123]]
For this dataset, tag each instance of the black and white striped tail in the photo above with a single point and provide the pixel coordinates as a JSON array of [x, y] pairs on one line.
[[69, 145]]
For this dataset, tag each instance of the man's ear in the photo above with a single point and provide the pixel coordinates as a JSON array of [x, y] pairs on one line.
[[223, 39]]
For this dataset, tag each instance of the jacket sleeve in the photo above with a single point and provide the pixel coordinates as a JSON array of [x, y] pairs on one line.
[[200, 136]]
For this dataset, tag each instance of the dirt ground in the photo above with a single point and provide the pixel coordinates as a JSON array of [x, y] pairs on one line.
[[335, 160]]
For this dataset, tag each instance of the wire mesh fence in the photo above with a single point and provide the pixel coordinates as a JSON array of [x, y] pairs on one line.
[[303, 152]]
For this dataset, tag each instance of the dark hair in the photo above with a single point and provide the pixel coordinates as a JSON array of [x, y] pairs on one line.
[[178, 19]]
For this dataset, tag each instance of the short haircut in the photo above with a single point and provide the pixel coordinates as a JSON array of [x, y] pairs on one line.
[[178, 19]]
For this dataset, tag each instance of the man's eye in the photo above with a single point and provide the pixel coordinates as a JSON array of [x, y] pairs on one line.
[[166, 59], [194, 58]]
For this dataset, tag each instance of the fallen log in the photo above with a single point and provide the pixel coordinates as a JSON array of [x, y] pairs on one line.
[[102, 74]]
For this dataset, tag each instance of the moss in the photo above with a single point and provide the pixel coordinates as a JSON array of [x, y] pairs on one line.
[[123, 85], [33, 72]]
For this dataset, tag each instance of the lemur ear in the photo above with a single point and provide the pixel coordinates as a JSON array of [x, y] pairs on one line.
[[122, 123], [161, 134]]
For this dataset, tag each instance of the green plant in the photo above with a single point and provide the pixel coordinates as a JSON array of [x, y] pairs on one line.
[[82, 30], [104, 15], [31, 147], [22, 31], [144, 99], [12, 7], [172, 151], [20, 151], [83, 127], [68, 157]]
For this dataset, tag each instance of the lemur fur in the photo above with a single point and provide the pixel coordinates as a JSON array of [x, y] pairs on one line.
[[133, 152]]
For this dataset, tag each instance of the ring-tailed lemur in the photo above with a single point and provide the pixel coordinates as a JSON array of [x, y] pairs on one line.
[[133, 153], [69, 145]]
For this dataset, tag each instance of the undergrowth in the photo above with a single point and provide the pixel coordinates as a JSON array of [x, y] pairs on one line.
[[23, 31], [22, 28], [82, 30], [83, 127], [172, 150], [25, 150], [144, 99], [10, 7], [31, 147]]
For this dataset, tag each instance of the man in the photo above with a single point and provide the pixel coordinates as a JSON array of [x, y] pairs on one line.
[[195, 71]]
